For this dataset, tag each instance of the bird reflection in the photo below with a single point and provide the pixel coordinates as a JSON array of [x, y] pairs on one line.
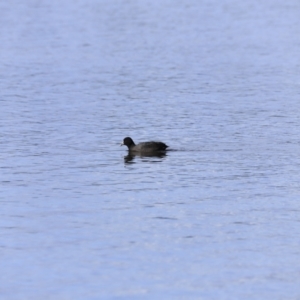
[[150, 157]]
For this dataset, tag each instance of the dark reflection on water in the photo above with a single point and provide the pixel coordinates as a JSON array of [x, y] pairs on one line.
[[148, 157]]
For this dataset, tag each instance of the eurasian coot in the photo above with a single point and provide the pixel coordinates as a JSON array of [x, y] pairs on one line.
[[150, 147]]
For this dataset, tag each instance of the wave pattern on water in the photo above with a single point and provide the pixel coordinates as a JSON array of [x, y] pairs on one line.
[[215, 217]]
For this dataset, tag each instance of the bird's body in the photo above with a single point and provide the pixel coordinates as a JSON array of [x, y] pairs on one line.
[[145, 147]]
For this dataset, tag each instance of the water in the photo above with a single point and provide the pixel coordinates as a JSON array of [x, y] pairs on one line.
[[217, 217]]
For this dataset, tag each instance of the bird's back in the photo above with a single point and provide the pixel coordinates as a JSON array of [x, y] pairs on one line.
[[150, 146]]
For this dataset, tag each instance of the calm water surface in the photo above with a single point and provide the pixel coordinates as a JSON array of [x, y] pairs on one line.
[[217, 217]]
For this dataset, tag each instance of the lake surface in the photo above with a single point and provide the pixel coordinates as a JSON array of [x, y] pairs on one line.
[[218, 217]]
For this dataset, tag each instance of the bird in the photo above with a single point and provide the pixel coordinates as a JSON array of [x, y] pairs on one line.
[[144, 147]]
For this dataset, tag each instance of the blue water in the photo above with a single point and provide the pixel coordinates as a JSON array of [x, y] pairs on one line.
[[217, 217]]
